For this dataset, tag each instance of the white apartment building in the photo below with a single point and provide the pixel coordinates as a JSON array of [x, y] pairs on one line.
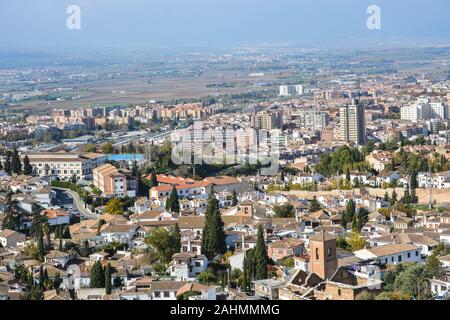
[[423, 109], [64, 165], [291, 90], [311, 119], [352, 124]]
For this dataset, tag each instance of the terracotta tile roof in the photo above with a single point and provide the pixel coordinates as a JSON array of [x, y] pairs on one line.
[[389, 249], [53, 214]]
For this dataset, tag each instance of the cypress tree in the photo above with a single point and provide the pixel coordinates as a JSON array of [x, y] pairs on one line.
[[413, 196], [41, 247], [176, 239], [57, 281], [7, 166], [66, 234], [413, 181], [135, 169], [27, 167], [97, 276], [394, 198], [234, 199], [108, 284], [213, 239], [406, 197], [260, 256], [154, 179], [174, 201], [41, 277], [16, 165]]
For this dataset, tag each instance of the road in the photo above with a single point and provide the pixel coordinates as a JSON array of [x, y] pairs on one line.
[[77, 204]]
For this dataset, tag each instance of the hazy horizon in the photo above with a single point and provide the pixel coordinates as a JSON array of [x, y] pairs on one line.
[[219, 23]]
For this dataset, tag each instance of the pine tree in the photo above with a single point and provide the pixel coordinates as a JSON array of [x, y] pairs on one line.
[[386, 197], [234, 199], [27, 167], [213, 239], [16, 165], [314, 205], [260, 256], [108, 283]]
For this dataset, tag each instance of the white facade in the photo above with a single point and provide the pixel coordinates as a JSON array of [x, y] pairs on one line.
[[398, 254], [423, 109]]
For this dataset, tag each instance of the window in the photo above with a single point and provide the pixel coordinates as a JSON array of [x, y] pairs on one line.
[[166, 294], [317, 253], [399, 258], [392, 259], [409, 254], [329, 252], [339, 292], [157, 294], [417, 253]]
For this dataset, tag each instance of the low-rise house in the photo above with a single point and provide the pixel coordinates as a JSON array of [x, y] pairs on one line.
[[387, 177], [191, 246], [197, 291], [58, 258], [441, 286], [379, 160], [45, 196], [440, 180], [392, 253], [56, 217], [10, 238], [245, 242], [98, 256], [151, 215], [56, 295], [284, 248], [268, 288], [165, 290], [426, 243], [122, 233], [195, 224], [186, 266]]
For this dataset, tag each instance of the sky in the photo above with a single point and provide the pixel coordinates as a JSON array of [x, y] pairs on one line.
[[175, 23]]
